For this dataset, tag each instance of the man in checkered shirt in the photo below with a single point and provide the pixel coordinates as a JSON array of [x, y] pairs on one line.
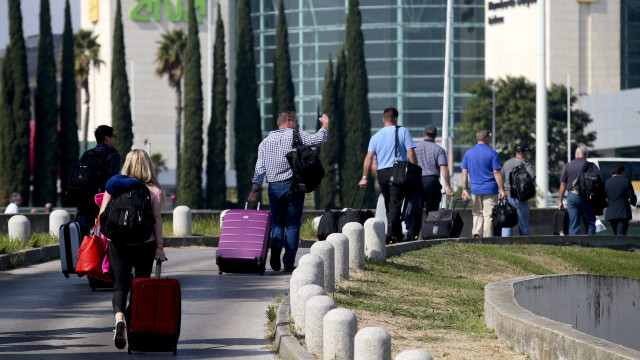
[[286, 206]]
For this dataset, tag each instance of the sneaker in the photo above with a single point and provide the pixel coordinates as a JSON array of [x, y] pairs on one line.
[[288, 270], [118, 337], [275, 258]]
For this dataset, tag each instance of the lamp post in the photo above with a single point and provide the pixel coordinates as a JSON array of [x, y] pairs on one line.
[[493, 116]]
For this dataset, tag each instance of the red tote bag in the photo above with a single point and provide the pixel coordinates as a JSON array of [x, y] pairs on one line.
[[91, 255]]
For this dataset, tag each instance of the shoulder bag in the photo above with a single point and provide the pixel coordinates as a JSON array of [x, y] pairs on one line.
[[404, 172]]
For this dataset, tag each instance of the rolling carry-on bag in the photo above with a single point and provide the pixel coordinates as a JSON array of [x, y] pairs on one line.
[[444, 223], [350, 214], [70, 241], [244, 240], [561, 223], [154, 314]]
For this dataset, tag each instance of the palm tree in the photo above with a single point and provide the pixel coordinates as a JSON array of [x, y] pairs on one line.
[[170, 59], [86, 52]]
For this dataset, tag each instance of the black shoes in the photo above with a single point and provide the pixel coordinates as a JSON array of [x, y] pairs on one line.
[[118, 338], [275, 258], [288, 270]]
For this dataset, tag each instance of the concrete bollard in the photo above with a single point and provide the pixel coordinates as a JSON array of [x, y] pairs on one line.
[[355, 233], [19, 228], [325, 250], [305, 293], [222, 214], [372, 343], [375, 248], [300, 277], [316, 222], [414, 355], [314, 311], [339, 330], [182, 221], [56, 219], [340, 244], [314, 262]]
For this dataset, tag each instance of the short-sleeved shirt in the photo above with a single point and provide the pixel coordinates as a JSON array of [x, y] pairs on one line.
[[430, 157], [511, 164], [383, 143], [480, 161], [571, 171], [112, 159]]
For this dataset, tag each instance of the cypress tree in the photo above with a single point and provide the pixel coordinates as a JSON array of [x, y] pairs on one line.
[[325, 195], [217, 135], [357, 118], [337, 123], [45, 144], [120, 98], [274, 98], [68, 137], [246, 114], [16, 102], [190, 172], [284, 84]]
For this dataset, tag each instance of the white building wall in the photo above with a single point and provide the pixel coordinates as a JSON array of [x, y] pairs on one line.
[[153, 102], [583, 40]]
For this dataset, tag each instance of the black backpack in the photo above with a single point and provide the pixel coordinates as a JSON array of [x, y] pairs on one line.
[[128, 219], [87, 179], [305, 164], [523, 187], [590, 187]]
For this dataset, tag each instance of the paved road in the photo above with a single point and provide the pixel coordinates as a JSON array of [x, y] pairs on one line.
[[45, 316]]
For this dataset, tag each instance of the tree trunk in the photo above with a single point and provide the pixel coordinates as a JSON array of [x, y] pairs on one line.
[[178, 128], [85, 126]]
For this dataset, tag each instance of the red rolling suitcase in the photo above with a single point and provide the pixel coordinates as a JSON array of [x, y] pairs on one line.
[[154, 314], [244, 240]]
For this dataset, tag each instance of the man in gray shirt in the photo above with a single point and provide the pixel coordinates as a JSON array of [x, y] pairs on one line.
[[522, 207], [433, 161]]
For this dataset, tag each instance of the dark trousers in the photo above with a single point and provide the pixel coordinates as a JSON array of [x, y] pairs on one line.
[[393, 198], [121, 259], [431, 193], [620, 226]]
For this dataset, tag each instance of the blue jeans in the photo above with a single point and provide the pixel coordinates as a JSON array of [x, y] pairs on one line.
[[578, 209], [522, 208], [286, 212]]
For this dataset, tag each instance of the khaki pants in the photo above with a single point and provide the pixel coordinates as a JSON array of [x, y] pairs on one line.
[[481, 209]]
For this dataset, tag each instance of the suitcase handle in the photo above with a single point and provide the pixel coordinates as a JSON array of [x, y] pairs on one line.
[[158, 268], [453, 203], [363, 195], [247, 204]]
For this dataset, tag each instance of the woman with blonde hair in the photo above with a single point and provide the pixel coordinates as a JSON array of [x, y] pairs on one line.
[[137, 169]]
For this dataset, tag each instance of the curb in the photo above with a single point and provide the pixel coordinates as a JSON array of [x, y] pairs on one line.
[[287, 346]]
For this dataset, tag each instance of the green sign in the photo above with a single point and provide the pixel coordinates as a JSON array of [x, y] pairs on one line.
[[175, 13]]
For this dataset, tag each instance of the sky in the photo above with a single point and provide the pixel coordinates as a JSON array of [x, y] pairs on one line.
[[31, 17]]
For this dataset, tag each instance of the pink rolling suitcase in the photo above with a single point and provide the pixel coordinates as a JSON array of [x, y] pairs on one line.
[[244, 240]]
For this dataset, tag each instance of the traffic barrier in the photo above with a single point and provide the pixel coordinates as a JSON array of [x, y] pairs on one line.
[[375, 248], [340, 244], [300, 277], [19, 228], [182, 221], [372, 343], [315, 309], [355, 233], [305, 293], [414, 355], [339, 330], [325, 250], [56, 219]]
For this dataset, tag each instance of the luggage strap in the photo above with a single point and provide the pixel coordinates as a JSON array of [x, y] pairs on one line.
[[363, 196]]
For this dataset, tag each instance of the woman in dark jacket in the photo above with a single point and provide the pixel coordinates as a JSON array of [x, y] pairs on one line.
[[620, 196]]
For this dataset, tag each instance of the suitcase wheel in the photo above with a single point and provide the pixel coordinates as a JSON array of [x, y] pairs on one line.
[[175, 350], [220, 272], [258, 260], [66, 275], [129, 349]]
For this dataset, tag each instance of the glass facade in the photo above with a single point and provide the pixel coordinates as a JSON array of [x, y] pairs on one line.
[[404, 52], [629, 44]]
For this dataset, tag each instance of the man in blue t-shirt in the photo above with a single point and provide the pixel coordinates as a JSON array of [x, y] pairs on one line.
[[382, 145], [482, 164]]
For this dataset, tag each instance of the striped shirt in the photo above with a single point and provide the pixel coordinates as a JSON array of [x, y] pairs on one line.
[[272, 162], [430, 157]]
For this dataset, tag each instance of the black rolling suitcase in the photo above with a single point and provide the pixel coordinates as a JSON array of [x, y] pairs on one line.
[[444, 223], [352, 215], [561, 223], [70, 241]]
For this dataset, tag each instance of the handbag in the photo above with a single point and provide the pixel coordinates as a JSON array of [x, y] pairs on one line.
[[504, 215], [91, 256], [404, 172]]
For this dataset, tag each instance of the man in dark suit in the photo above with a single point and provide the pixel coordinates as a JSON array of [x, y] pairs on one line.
[[620, 196]]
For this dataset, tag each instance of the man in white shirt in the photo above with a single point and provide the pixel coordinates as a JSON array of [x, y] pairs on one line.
[[16, 200]]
